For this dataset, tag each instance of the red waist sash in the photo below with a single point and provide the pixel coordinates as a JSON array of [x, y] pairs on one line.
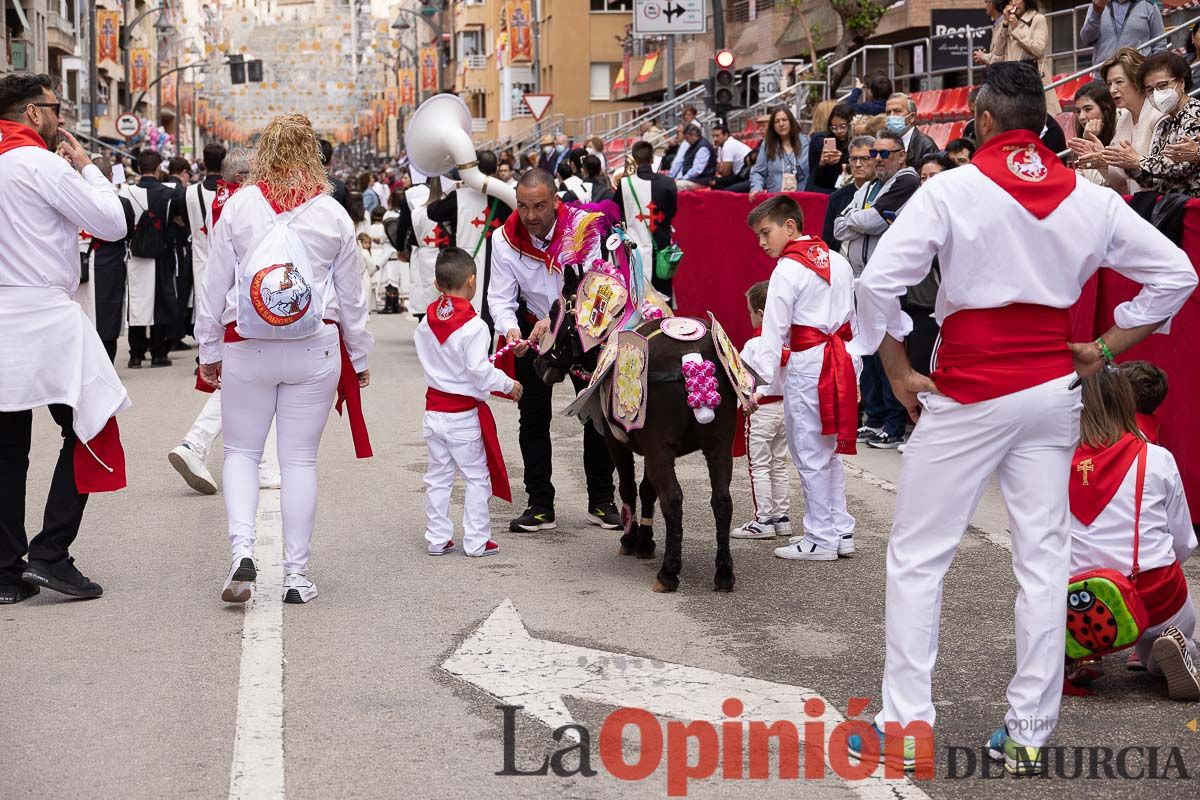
[[837, 387], [437, 400], [349, 393], [100, 463], [987, 353], [1163, 591]]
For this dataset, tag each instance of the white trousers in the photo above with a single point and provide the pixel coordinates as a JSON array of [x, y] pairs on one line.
[[456, 444], [826, 518], [292, 382], [1027, 439], [207, 426], [1184, 619], [770, 463]]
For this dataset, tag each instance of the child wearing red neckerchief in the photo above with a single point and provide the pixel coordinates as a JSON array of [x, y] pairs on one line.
[[766, 439], [1149, 391], [807, 320], [460, 432]]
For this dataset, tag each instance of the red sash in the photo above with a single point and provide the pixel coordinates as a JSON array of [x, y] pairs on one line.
[[1030, 172], [349, 393], [14, 135], [437, 400], [1148, 424], [91, 460], [837, 388], [987, 353], [1097, 474]]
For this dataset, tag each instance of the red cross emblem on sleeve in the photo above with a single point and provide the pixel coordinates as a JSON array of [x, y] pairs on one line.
[[652, 217], [439, 238]]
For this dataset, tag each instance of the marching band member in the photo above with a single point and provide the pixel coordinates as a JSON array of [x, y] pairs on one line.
[[810, 303], [284, 259], [428, 237], [1017, 235], [460, 432]]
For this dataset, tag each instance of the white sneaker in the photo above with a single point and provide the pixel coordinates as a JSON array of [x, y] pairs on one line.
[[267, 477], [239, 584], [754, 530], [900, 449], [783, 526], [866, 433], [440, 550], [298, 588], [190, 466], [846, 545], [489, 549], [806, 550]]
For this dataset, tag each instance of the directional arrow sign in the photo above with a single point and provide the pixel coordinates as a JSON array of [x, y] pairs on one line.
[[501, 658], [668, 16], [537, 104]]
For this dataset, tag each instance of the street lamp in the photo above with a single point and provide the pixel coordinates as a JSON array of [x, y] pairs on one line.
[[161, 29], [429, 9]]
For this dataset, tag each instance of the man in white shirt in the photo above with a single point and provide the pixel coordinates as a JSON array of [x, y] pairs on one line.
[[731, 152], [52, 355], [1003, 398]]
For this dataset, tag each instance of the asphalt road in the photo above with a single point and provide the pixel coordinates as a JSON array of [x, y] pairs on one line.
[[136, 695]]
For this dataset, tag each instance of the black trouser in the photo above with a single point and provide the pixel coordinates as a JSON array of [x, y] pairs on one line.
[[64, 505], [920, 343], [535, 412], [156, 341], [110, 347]]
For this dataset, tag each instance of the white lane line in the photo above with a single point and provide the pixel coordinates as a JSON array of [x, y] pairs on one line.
[[257, 772], [1001, 538]]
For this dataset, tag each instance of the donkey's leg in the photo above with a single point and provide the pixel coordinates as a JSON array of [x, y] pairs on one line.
[[622, 458], [660, 468], [645, 525], [718, 456]]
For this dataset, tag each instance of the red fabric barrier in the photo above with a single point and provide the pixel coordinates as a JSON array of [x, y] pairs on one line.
[[721, 260]]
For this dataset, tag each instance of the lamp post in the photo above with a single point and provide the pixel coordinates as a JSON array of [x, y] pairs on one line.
[[128, 26], [161, 29], [429, 8]]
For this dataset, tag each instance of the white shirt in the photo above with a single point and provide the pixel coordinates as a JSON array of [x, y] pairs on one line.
[[460, 364], [328, 236], [1165, 530], [517, 276], [994, 253], [199, 208], [735, 151], [797, 296], [43, 205], [754, 354]]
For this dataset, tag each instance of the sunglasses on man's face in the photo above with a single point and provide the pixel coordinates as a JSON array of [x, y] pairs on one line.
[[56, 106], [884, 154]]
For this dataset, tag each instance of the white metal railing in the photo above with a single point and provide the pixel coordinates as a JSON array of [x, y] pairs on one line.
[[475, 62], [59, 22]]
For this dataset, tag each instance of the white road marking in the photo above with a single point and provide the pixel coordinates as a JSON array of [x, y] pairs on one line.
[[501, 658], [257, 772]]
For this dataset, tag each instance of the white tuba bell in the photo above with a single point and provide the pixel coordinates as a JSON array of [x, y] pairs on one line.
[[438, 139]]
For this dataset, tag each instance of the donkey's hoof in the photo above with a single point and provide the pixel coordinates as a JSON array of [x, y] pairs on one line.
[[661, 589], [646, 554], [625, 550], [723, 584]]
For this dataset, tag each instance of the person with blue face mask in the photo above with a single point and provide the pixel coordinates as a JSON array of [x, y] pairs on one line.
[[901, 113]]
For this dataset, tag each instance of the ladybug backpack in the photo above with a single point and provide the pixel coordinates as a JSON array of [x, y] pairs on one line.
[[1104, 611], [278, 297]]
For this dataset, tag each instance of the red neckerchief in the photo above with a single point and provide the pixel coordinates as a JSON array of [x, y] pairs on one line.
[[225, 190], [574, 232], [278, 209], [1097, 473], [447, 314], [810, 252], [522, 242], [14, 135], [1148, 424], [756, 332], [1030, 172]]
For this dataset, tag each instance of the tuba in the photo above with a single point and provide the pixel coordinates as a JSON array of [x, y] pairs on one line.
[[438, 139]]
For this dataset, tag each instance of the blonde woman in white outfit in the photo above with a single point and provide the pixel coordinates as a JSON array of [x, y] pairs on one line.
[[251, 344]]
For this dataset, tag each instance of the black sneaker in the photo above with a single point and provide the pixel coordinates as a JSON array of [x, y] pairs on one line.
[[160, 361], [885, 441], [605, 515], [135, 362], [534, 519], [62, 576], [15, 594]]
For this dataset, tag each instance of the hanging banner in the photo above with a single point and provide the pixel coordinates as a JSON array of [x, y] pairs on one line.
[[108, 25], [408, 88], [169, 94], [429, 68], [202, 113], [392, 105], [520, 32], [139, 70]]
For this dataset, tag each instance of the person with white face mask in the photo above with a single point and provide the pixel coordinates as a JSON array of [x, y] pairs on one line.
[[901, 120], [1173, 164]]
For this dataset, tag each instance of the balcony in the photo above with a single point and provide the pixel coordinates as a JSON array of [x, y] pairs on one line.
[[474, 62], [60, 33], [469, 15], [479, 125]]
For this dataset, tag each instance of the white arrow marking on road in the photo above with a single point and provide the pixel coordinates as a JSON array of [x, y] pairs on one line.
[[501, 658]]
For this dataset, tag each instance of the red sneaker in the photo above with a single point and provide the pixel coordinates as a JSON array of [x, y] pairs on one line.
[[490, 548], [440, 551]]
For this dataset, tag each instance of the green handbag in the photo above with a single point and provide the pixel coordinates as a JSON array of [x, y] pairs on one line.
[[666, 260]]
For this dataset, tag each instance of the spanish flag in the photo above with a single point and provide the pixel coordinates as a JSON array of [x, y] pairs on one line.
[[647, 70], [621, 82]]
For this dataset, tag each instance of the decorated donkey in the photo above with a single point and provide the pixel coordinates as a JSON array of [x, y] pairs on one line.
[[661, 387]]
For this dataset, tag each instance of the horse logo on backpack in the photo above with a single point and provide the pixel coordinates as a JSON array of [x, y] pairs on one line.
[[280, 294]]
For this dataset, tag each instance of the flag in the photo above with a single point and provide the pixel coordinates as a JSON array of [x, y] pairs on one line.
[[139, 70], [621, 82], [108, 23], [391, 101], [520, 31], [168, 90], [408, 84], [647, 70], [429, 68]]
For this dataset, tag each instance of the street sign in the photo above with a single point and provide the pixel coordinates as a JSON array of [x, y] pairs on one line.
[[668, 16], [537, 104], [770, 80], [129, 125]]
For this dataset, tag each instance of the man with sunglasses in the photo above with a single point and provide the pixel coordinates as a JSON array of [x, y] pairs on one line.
[[859, 226], [51, 353]]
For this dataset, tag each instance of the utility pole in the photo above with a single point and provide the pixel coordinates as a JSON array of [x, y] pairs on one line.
[[670, 67], [718, 12], [93, 75]]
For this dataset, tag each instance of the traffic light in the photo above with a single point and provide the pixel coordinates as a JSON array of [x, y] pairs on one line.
[[722, 85], [237, 69], [254, 70]]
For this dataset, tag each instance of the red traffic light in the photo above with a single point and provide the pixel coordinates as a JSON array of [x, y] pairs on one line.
[[724, 59]]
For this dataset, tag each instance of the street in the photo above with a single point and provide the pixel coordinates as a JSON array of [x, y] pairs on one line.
[[387, 684]]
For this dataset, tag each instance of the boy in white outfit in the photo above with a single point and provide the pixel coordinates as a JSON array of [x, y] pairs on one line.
[[766, 439], [460, 432], [808, 311]]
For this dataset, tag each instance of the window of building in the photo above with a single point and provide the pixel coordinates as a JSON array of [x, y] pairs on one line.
[[601, 84], [612, 5], [470, 43]]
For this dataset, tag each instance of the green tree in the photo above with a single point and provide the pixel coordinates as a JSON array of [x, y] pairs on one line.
[[859, 20]]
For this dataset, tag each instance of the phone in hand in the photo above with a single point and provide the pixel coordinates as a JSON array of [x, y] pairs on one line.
[[830, 143]]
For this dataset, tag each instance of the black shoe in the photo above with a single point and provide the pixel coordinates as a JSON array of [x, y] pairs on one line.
[[62, 576], [885, 441], [160, 361], [180, 347], [135, 362], [605, 515], [15, 594], [534, 519]]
